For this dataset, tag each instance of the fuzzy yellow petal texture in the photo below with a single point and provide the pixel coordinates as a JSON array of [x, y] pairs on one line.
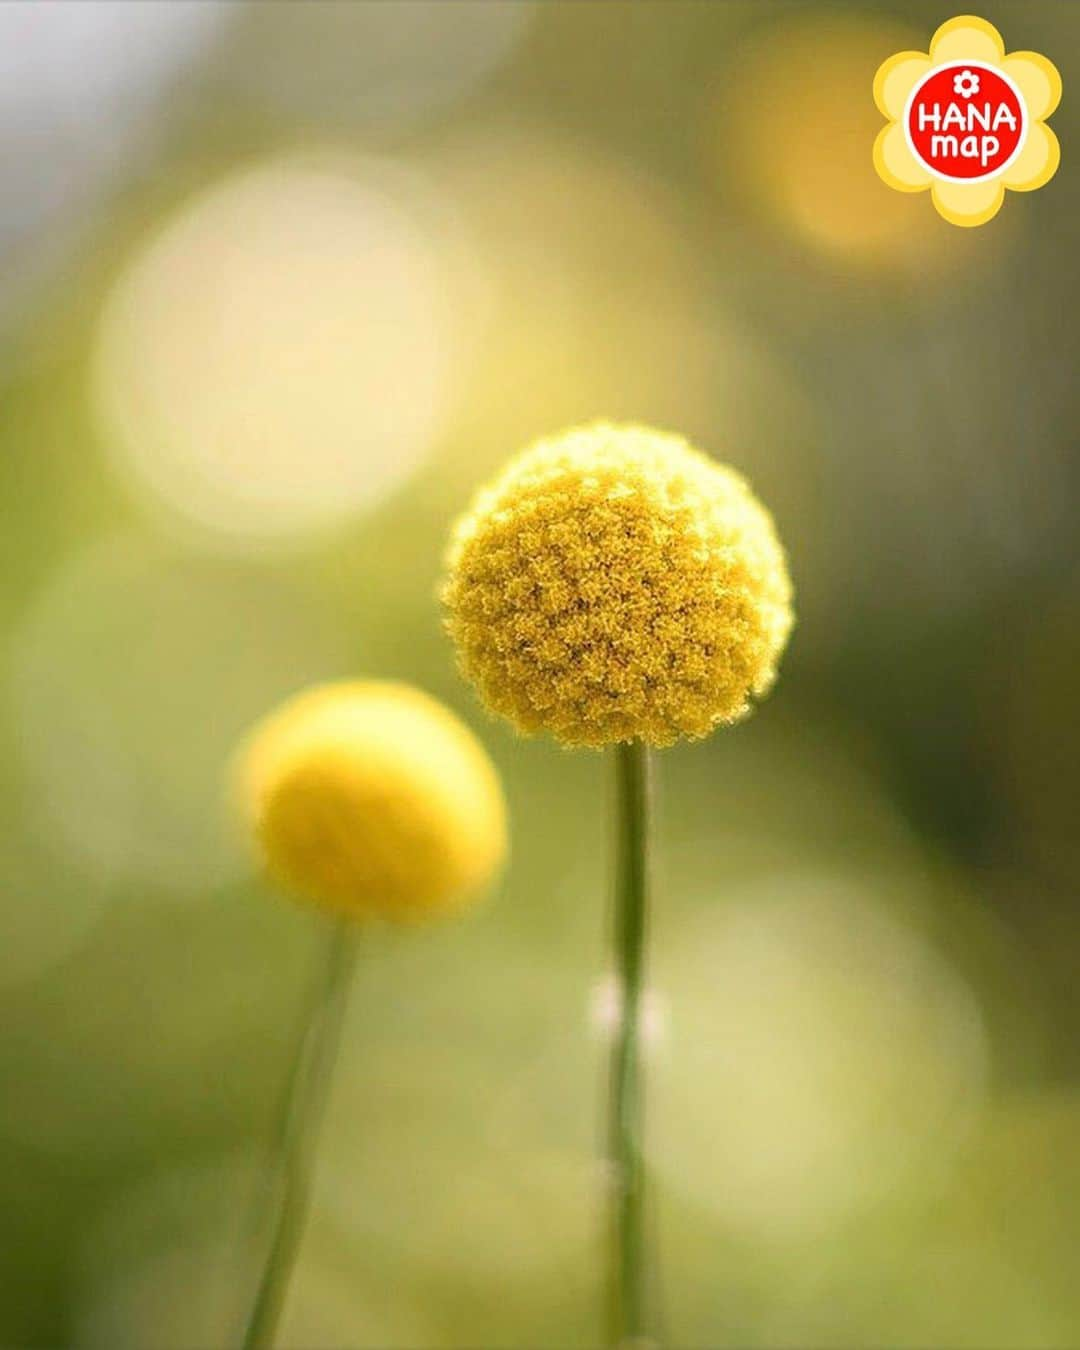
[[373, 800], [615, 584]]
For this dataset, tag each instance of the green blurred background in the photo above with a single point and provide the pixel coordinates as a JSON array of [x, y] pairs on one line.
[[280, 284]]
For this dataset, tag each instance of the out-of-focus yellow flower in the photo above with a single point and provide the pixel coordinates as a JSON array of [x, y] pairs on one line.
[[374, 801], [615, 584]]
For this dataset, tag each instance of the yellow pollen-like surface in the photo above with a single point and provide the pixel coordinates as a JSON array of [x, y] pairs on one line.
[[615, 584]]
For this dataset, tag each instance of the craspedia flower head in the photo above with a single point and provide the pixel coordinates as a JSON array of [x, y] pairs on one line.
[[374, 801], [615, 584]]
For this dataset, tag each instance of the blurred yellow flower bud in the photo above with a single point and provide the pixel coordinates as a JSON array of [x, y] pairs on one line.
[[615, 584], [374, 801]]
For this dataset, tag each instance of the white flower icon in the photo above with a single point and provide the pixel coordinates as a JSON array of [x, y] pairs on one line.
[[957, 43]]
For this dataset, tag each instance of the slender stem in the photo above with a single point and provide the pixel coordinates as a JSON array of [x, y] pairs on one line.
[[303, 1107], [627, 1292]]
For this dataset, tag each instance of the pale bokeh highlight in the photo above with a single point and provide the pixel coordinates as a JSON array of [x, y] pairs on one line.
[[275, 359]]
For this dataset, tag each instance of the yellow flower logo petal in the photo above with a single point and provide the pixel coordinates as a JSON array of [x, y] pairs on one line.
[[966, 121]]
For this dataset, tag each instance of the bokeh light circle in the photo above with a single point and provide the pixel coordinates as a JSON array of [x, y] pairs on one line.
[[604, 292], [795, 124], [276, 357], [823, 1053]]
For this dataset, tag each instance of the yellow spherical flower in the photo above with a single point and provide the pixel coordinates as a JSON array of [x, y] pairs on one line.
[[615, 584], [374, 801]]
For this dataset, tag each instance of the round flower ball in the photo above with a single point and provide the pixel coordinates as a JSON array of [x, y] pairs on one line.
[[615, 584], [373, 800]]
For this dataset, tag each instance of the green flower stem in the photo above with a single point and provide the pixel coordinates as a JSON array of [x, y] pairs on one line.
[[627, 1291], [303, 1108]]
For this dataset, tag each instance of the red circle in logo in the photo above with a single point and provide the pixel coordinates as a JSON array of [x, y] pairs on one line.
[[965, 121]]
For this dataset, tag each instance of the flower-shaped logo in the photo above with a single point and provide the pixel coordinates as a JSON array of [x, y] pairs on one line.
[[967, 121]]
